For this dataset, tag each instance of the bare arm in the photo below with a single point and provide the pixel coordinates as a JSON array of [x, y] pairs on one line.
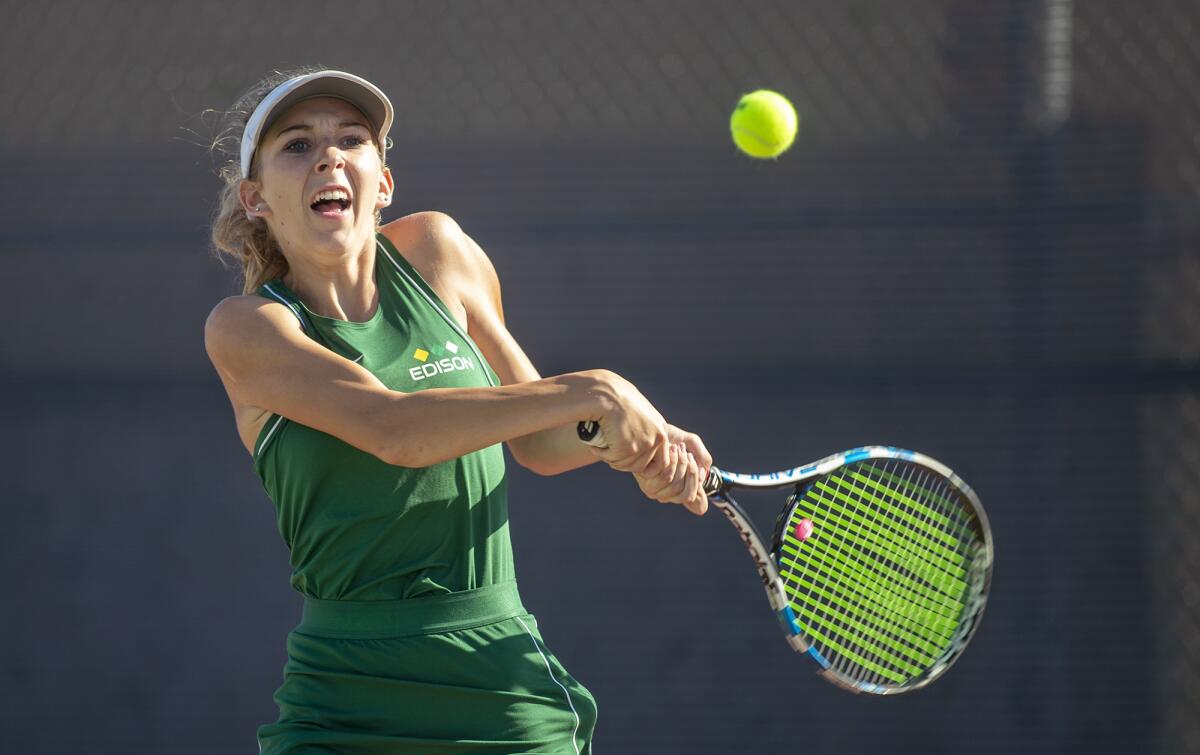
[[266, 360]]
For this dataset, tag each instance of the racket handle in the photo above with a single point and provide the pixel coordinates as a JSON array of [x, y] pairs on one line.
[[590, 433]]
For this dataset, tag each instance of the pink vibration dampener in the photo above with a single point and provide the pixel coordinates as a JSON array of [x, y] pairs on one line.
[[804, 529]]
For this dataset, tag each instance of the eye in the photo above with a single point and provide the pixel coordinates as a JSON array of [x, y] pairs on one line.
[[297, 146], [354, 141]]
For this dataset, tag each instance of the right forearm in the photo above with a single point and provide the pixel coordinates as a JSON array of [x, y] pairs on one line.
[[424, 428]]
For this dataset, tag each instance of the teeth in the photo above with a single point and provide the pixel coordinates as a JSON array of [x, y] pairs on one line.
[[332, 194]]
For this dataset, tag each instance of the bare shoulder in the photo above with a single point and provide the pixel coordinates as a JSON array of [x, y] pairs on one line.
[[428, 225], [240, 334], [240, 322], [434, 241]]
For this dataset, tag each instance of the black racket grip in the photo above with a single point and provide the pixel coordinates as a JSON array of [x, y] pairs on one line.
[[589, 432]]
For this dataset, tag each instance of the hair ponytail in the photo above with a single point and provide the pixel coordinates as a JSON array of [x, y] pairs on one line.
[[247, 240]]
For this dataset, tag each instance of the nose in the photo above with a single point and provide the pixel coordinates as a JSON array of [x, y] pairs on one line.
[[331, 159]]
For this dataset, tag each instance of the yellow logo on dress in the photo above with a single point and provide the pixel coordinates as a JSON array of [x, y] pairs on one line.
[[446, 359]]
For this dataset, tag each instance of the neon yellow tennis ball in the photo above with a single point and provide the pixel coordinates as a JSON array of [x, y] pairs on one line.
[[763, 124]]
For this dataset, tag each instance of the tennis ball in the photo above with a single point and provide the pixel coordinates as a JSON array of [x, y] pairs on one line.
[[763, 124]]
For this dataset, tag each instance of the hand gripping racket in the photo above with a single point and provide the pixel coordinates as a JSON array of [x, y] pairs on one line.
[[879, 565]]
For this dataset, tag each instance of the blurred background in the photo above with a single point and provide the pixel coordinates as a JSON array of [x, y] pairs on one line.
[[983, 245]]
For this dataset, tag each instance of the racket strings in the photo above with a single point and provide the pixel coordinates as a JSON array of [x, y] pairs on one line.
[[853, 607], [969, 537], [885, 652], [879, 630], [870, 580], [870, 586], [848, 641], [876, 521], [884, 554], [863, 612], [882, 584], [932, 557], [971, 549], [865, 587], [865, 643], [890, 542], [902, 565]]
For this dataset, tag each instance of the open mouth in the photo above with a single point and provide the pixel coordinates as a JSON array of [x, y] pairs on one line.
[[331, 208], [331, 202]]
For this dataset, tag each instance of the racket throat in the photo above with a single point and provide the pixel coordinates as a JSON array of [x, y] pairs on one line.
[[764, 562]]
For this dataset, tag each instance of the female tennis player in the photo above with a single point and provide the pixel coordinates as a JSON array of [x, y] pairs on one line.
[[373, 380]]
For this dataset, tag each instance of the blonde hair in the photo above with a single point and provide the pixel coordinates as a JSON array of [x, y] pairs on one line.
[[235, 235]]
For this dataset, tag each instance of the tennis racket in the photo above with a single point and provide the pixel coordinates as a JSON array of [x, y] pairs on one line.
[[879, 565]]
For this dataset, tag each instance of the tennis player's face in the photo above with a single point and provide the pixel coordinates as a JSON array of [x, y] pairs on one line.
[[321, 179]]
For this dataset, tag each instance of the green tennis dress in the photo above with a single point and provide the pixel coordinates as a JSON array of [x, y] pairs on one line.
[[413, 638]]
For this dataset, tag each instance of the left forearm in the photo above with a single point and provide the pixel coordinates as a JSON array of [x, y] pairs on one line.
[[552, 451]]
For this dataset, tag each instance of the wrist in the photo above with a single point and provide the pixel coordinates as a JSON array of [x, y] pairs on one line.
[[596, 392]]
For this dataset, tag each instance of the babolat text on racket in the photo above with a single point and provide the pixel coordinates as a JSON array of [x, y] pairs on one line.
[[879, 565]]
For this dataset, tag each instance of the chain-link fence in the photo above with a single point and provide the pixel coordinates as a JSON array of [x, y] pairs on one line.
[[985, 244]]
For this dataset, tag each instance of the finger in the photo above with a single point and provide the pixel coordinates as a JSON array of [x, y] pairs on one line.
[[613, 457], [635, 463], [692, 486], [697, 501], [698, 505], [663, 486], [657, 460], [703, 457], [653, 486], [684, 488], [672, 472], [648, 490], [660, 462], [629, 457]]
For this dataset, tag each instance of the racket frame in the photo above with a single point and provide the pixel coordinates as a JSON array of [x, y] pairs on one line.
[[718, 485], [720, 482]]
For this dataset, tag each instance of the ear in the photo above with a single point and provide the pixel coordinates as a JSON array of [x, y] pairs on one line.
[[252, 200], [386, 187]]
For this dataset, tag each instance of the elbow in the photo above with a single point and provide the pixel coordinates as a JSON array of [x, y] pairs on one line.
[[394, 457], [538, 468], [399, 449], [534, 462], [414, 456], [400, 453]]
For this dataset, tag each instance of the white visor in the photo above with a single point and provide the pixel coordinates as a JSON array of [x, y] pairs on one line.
[[359, 92]]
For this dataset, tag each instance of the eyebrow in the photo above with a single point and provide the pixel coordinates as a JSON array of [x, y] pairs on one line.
[[307, 127]]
